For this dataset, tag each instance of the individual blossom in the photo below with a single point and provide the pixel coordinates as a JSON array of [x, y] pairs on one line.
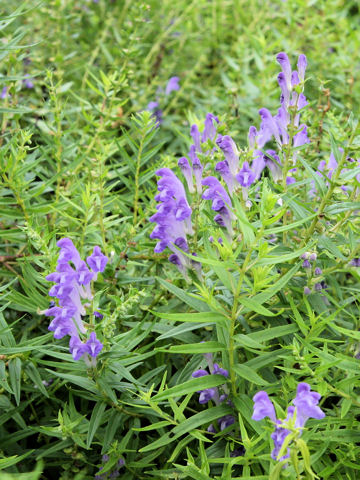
[[355, 262], [172, 85], [305, 406], [4, 93], [72, 289]]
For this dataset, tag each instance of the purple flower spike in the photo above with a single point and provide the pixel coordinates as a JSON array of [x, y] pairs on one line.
[[206, 395], [76, 347], [301, 65], [97, 261], [284, 62], [93, 346], [263, 407], [306, 403], [246, 176], [210, 127], [172, 85]]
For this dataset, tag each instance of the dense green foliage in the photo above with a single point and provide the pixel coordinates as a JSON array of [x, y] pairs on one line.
[[78, 158]]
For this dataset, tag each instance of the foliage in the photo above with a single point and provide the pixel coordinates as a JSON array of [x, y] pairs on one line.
[[79, 152]]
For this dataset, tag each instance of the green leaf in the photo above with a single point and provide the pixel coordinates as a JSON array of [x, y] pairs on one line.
[[15, 377], [95, 421], [203, 347], [194, 303], [193, 385], [248, 373]]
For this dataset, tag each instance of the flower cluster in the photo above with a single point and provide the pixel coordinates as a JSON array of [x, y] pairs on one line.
[[173, 219], [154, 106], [72, 285], [305, 407], [283, 128], [213, 393], [193, 169]]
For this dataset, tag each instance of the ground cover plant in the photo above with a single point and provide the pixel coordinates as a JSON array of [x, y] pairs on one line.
[[180, 252]]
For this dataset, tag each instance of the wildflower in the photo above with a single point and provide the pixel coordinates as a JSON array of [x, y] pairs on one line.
[[27, 82], [71, 286], [172, 85], [355, 262], [305, 407], [4, 93]]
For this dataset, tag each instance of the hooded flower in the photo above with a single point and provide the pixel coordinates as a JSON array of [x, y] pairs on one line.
[[305, 407]]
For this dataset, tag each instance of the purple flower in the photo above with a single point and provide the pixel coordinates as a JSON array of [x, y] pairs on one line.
[[152, 105], [301, 137], [4, 93], [27, 82], [200, 373], [226, 421], [197, 168], [263, 407], [355, 262], [172, 85], [269, 124], [206, 395], [306, 264], [84, 276], [306, 403], [252, 137], [318, 271], [246, 176], [307, 291], [216, 192], [184, 165], [228, 147], [302, 63], [93, 346], [223, 169], [210, 127], [97, 261], [194, 132], [220, 371], [284, 62], [76, 347]]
